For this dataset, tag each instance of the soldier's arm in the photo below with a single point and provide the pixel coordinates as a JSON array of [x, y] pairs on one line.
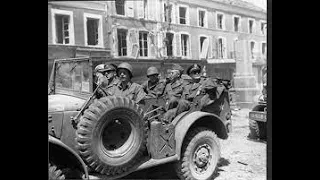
[[139, 93]]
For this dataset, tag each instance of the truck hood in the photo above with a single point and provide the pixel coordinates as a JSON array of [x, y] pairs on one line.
[[60, 102]]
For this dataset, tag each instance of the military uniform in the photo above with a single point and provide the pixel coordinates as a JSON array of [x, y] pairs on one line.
[[154, 90], [173, 95], [205, 87], [133, 91]]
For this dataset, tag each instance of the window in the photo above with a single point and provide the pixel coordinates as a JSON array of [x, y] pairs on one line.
[[251, 26], [169, 44], [62, 27], [182, 15], [236, 22], [122, 42], [202, 18], [143, 44], [120, 7], [93, 29], [222, 54], [201, 42], [252, 50], [263, 29], [264, 49], [142, 10], [220, 21], [167, 12], [185, 45]]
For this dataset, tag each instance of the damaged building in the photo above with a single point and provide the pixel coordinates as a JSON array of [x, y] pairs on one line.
[[160, 32]]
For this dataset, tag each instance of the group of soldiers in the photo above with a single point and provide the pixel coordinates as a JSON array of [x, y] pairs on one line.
[[178, 93]]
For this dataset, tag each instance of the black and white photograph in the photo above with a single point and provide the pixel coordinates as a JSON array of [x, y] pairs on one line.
[[158, 89]]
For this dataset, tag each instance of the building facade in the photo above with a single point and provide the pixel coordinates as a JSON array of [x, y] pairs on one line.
[[185, 31]]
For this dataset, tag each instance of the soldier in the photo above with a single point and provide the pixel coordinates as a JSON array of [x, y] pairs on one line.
[[111, 74], [173, 94], [125, 87], [201, 86], [154, 87], [98, 74]]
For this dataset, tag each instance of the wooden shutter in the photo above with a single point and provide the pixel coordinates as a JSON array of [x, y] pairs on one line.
[[177, 49], [225, 50], [174, 13], [151, 9], [210, 47], [204, 51], [214, 46], [140, 8], [133, 45], [115, 42], [130, 9]]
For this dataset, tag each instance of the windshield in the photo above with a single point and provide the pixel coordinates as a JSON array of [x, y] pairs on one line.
[[73, 75]]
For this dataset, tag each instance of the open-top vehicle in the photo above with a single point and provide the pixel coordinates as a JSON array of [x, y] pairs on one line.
[[111, 137]]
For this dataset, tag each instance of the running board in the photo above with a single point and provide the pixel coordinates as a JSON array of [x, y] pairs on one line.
[[156, 162]]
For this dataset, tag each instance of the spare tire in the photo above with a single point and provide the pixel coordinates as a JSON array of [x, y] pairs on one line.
[[111, 135]]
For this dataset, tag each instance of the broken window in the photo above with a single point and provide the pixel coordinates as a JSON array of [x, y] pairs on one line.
[[120, 7], [236, 24], [263, 28], [221, 48], [252, 47], [93, 31], [143, 44], [122, 42], [167, 12], [184, 45], [182, 15], [201, 18], [169, 43], [250, 26], [62, 29], [220, 21]]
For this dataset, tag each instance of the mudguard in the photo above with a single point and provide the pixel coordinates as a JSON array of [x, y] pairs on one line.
[[185, 121], [57, 142]]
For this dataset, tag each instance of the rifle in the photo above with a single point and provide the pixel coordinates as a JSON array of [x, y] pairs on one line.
[[75, 120]]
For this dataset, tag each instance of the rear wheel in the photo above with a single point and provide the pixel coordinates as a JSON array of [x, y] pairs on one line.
[[200, 155], [111, 135], [257, 129]]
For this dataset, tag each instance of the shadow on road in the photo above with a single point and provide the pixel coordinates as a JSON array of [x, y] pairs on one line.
[[222, 162]]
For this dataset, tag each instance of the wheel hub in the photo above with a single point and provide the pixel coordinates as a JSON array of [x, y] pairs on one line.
[[202, 157]]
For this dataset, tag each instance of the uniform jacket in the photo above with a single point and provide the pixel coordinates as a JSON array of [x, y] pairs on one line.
[[132, 90], [155, 90], [175, 89]]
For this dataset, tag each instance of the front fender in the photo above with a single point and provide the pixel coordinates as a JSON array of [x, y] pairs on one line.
[[71, 153], [186, 122]]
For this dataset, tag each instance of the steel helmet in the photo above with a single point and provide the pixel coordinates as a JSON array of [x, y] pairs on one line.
[[126, 66], [98, 68], [152, 70]]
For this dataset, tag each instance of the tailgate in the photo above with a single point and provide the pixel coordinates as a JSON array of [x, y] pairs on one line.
[[258, 116]]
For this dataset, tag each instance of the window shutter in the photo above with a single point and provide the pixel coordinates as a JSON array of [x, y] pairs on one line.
[[151, 10], [115, 42], [140, 8], [174, 13], [151, 45], [204, 51], [210, 48], [224, 45], [214, 47], [133, 45], [130, 9], [178, 44], [160, 44]]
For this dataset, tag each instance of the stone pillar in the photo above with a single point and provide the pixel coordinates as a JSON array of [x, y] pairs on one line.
[[244, 79]]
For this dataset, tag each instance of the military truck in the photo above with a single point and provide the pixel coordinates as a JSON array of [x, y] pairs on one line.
[[111, 137], [258, 116]]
